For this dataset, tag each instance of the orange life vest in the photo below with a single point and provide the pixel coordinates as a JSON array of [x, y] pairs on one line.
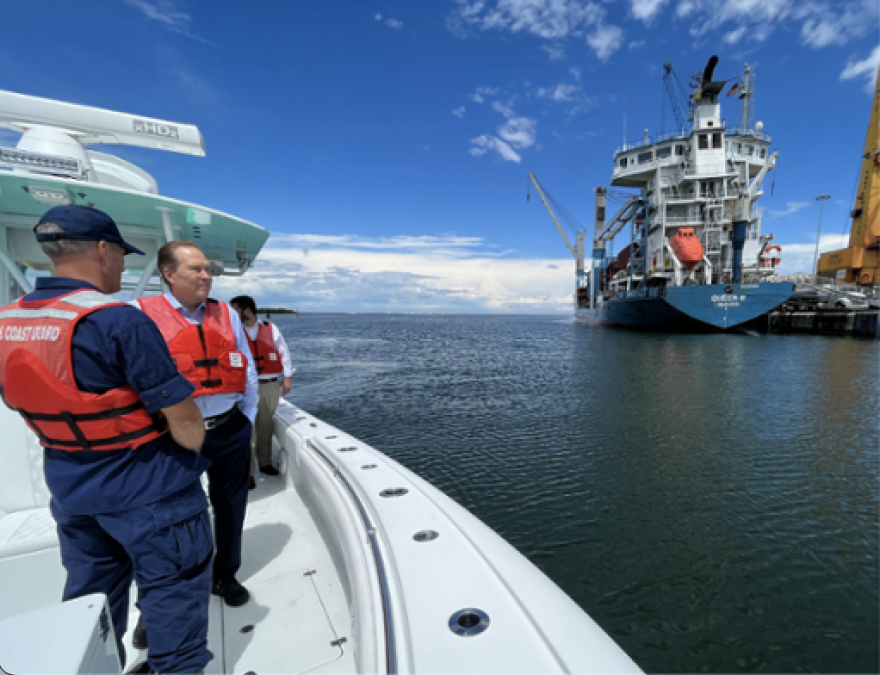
[[205, 353], [36, 373], [267, 360]]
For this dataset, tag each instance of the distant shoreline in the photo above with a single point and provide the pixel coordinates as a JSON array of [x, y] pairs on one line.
[[275, 310]]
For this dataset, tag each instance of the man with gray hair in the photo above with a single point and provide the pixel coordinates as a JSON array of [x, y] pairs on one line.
[[93, 379]]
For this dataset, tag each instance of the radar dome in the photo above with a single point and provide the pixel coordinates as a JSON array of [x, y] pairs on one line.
[[759, 126]]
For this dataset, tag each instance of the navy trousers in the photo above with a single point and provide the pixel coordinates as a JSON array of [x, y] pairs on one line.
[[166, 546], [229, 449]]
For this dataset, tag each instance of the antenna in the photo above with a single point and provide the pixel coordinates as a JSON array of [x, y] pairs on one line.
[[624, 122], [747, 90], [90, 126]]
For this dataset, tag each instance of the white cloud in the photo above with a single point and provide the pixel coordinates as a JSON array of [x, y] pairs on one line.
[[548, 19], [555, 52], [561, 92], [166, 13], [646, 10], [822, 22], [801, 257], [439, 274], [481, 92], [482, 145], [605, 40], [576, 73], [516, 132], [867, 68], [459, 112], [519, 132], [734, 36], [636, 44], [391, 23], [790, 207]]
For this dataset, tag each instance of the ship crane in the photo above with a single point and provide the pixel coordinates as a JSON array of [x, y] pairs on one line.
[[577, 251], [678, 99]]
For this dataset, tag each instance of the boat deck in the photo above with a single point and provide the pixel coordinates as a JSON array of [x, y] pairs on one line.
[[297, 609]]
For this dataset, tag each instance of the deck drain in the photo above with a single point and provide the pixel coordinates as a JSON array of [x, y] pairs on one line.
[[469, 622], [313, 424], [246, 629], [426, 535], [393, 492], [348, 448], [328, 437], [368, 466]]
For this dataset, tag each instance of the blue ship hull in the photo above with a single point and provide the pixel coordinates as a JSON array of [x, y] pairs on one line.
[[712, 308]]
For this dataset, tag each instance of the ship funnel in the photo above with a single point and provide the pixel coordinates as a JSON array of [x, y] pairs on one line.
[[709, 70]]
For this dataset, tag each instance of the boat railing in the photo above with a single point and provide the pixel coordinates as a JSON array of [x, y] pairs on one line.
[[753, 133], [651, 140]]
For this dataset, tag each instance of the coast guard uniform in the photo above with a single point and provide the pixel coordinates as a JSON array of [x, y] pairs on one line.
[[212, 352], [90, 376]]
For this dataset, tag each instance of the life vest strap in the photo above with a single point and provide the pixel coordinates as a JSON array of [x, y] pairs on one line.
[[84, 417], [207, 362], [211, 383], [158, 424], [97, 444]]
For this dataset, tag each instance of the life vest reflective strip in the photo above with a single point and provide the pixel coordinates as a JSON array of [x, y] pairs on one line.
[[38, 382], [205, 353], [267, 360]]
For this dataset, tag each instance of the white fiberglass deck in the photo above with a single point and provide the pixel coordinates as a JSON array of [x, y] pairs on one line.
[[297, 609]]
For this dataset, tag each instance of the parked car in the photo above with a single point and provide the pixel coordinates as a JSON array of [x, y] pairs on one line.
[[850, 300]]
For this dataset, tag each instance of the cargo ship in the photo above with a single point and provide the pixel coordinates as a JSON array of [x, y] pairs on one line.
[[696, 260]]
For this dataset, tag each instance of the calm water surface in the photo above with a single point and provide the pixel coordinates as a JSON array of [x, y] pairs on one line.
[[711, 501]]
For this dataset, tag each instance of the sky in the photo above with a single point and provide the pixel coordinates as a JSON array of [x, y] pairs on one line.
[[385, 144]]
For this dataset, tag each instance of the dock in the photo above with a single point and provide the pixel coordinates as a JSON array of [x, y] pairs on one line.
[[856, 323]]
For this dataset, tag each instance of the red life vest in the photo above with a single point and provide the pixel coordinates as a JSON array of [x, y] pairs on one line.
[[205, 353], [267, 360], [36, 373]]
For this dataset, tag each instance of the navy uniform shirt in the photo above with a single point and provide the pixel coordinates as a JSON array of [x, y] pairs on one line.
[[113, 347]]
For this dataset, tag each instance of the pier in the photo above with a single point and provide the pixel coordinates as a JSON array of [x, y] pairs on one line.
[[858, 323]]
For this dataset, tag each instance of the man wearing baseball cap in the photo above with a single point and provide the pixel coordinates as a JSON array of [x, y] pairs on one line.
[[94, 380]]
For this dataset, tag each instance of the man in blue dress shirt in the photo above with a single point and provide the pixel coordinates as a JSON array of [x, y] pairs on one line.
[[209, 345], [139, 511]]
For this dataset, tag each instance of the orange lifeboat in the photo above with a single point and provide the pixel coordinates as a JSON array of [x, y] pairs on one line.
[[768, 260], [687, 247]]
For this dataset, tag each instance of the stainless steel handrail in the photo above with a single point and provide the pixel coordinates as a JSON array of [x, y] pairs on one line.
[[381, 573]]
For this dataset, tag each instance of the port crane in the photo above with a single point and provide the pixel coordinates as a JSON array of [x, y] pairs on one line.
[[859, 263], [577, 250]]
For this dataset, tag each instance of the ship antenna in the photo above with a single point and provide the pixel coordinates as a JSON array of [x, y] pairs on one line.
[[624, 122]]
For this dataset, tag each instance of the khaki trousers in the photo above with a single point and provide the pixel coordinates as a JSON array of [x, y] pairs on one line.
[[261, 441]]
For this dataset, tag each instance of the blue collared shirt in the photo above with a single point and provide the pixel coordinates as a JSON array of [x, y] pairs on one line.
[[220, 403], [112, 347]]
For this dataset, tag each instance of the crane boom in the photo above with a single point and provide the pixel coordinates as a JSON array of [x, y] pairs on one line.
[[860, 262], [552, 215]]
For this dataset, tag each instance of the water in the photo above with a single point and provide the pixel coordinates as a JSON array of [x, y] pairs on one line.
[[711, 501]]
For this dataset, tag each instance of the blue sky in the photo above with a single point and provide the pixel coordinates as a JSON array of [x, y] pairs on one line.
[[385, 144]]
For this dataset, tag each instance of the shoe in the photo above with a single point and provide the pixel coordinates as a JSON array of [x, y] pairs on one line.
[[253, 484], [232, 592], [269, 470], [142, 668], [139, 637]]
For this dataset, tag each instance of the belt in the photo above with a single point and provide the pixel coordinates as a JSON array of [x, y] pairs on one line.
[[221, 419]]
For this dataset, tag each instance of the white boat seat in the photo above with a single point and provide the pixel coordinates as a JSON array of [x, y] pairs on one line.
[[25, 522]]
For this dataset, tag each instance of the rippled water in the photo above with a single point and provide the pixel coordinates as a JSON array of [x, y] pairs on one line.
[[711, 501]]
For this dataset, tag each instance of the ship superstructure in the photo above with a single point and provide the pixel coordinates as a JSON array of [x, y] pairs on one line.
[[707, 178], [696, 259]]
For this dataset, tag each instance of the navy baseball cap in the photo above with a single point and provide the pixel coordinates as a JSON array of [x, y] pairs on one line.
[[84, 224]]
